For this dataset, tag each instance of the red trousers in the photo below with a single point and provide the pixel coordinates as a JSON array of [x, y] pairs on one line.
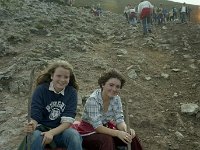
[[105, 142]]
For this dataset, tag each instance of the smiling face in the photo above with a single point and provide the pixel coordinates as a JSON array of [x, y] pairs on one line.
[[60, 78], [111, 87]]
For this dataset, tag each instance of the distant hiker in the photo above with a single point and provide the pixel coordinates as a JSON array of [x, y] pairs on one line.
[[145, 9], [165, 15], [132, 17], [183, 12], [175, 13], [53, 109], [160, 16], [103, 126], [126, 12], [70, 2], [171, 17], [97, 11], [154, 15], [188, 13], [93, 10]]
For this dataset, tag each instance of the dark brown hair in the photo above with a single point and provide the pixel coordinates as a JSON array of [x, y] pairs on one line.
[[111, 73], [45, 76]]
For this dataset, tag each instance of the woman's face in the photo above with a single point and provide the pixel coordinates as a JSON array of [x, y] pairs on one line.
[[60, 78], [111, 87]]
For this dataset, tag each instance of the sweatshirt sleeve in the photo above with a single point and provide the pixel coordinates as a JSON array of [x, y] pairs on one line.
[[71, 106], [37, 106]]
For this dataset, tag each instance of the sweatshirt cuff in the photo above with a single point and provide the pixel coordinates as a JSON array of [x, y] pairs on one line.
[[67, 119]]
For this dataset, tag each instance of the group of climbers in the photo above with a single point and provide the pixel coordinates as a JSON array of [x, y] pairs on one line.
[[96, 10], [148, 14], [143, 14], [130, 14], [162, 14]]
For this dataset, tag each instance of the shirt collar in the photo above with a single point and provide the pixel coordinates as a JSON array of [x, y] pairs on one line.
[[51, 88], [99, 96]]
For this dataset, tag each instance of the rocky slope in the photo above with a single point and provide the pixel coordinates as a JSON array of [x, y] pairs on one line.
[[162, 70]]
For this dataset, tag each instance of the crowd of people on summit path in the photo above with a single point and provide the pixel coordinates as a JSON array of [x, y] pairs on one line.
[[149, 15]]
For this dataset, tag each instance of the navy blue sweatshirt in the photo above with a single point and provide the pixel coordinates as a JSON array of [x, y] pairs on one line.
[[47, 107]]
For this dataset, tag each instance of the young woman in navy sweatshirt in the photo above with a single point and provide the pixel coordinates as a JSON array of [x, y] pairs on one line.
[[53, 109]]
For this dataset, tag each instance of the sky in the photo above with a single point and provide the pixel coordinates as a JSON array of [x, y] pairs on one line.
[[194, 2]]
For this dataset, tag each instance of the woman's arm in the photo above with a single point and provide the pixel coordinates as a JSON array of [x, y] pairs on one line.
[[60, 128], [48, 136], [122, 126], [105, 130], [37, 105], [124, 136]]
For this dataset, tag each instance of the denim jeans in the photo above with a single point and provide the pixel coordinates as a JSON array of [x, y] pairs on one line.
[[146, 23], [69, 139], [133, 21]]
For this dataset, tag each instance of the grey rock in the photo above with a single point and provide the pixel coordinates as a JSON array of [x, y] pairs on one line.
[[132, 74], [189, 108], [179, 135]]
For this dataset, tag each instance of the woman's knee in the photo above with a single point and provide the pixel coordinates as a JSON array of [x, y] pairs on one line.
[[106, 138], [37, 135], [71, 134], [98, 141], [105, 141]]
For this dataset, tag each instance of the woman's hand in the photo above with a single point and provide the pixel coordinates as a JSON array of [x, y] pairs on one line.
[[47, 137], [132, 132], [124, 136], [29, 127]]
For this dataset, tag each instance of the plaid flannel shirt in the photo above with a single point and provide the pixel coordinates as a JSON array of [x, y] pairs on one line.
[[94, 113]]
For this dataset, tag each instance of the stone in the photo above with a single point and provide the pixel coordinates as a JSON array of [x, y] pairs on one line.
[[179, 135], [189, 108], [132, 74]]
